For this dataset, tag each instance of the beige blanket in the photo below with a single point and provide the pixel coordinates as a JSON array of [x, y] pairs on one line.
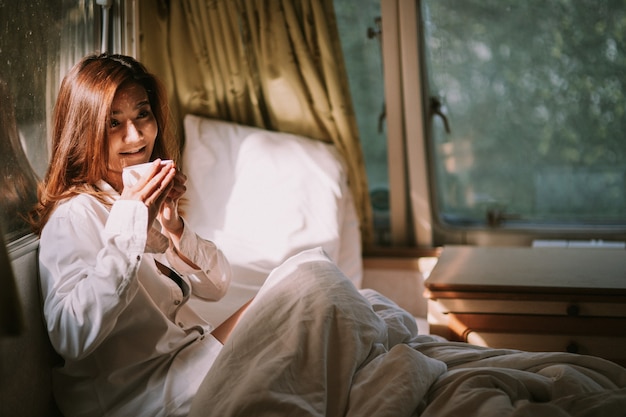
[[312, 345]]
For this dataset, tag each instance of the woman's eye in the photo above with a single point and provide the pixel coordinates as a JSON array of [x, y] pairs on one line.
[[114, 123], [143, 114]]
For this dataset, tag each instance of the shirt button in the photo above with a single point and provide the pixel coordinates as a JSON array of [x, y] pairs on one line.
[[176, 302], [180, 323], [139, 257]]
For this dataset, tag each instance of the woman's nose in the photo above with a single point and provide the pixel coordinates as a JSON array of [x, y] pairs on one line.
[[132, 132]]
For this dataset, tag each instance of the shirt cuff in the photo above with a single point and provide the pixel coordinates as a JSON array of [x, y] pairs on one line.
[[192, 247], [128, 219]]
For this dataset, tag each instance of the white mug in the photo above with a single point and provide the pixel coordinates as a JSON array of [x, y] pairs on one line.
[[132, 173]]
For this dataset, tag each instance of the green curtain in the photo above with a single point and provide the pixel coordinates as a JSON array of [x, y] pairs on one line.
[[275, 64]]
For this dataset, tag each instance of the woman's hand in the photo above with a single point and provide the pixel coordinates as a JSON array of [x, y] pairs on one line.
[[153, 189], [168, 215]]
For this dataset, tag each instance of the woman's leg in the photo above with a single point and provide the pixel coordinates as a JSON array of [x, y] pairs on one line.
[[222, 331], [297, 347]]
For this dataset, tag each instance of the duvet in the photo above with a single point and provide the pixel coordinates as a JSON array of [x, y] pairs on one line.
[[311, 344]]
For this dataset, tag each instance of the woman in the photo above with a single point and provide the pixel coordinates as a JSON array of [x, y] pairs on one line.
[[117, 263]]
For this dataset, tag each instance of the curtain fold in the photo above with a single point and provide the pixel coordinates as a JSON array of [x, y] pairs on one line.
[[275, 64]]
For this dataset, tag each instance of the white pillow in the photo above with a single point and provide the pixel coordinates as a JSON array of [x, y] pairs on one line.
[[264, 196]]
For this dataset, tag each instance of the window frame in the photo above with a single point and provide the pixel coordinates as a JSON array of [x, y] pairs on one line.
[[409, 194], [413, 202]]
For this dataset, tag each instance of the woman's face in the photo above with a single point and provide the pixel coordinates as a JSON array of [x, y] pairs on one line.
[[131, 128]]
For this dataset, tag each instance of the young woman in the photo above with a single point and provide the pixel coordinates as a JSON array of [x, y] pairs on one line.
[[117, 263]]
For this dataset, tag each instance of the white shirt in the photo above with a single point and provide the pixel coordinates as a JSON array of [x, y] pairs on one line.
[[131, 343]]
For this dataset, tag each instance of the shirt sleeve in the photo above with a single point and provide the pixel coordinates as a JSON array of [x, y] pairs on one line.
[[212, 279], [88, 268]]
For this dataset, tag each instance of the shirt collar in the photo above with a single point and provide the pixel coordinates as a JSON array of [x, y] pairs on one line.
[[104, 186]]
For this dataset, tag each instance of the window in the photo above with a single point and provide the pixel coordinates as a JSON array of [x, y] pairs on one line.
[[39, 41], [359, 29], [534, 95]]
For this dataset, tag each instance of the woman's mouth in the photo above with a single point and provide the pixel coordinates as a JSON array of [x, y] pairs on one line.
[[133, 152]]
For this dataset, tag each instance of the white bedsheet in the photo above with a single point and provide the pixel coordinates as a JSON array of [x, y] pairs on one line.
[[311, 344]]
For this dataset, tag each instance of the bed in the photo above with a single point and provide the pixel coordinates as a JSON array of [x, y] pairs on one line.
[[313, 342]]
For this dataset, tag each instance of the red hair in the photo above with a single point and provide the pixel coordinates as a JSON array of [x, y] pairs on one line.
[[79, 146]]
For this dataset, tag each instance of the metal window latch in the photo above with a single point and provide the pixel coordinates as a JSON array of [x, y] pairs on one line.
[[375, 32], [496, 216], [436, 109]]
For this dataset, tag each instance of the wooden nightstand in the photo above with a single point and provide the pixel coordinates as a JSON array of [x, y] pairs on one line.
[[534, 299]]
